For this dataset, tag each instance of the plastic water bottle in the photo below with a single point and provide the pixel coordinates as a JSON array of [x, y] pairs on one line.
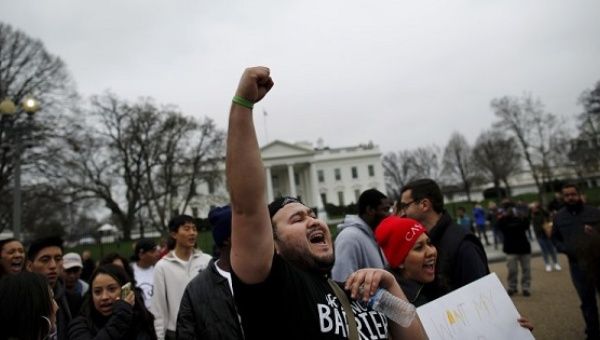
[[396, 309]]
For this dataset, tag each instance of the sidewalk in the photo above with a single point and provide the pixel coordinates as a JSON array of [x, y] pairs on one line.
[[496, 255]]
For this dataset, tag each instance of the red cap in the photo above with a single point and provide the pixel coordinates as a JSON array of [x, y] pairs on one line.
[[396, 236]]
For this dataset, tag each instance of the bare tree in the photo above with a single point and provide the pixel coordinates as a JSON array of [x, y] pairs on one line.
[[427, 162], [398, 169], [458, 163], [590, 118], [583, 152], [139, 159], [28, 69], [497, 157], [407, 165], [539, 134], [184, 153]]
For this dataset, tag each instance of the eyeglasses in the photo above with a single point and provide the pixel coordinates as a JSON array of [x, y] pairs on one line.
[[404, 206]]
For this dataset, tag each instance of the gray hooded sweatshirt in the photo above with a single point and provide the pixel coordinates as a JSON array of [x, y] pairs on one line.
[[355, 248]]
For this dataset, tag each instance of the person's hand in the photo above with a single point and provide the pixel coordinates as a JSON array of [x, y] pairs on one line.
[[130, 298], [588, 230], [363, 283], [525, 323], [254, 84]]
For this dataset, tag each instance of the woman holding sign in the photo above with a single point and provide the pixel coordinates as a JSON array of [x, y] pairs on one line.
[[412, 257]]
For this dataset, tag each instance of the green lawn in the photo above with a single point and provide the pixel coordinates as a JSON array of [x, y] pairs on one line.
[[125, 248]]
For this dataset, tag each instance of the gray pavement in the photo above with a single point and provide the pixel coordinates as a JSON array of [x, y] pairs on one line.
[[553, 306]]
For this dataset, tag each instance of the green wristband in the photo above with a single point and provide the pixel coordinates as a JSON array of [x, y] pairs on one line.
[[243, 102]]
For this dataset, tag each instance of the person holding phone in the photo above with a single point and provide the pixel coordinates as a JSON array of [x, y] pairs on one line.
[[113, 309]]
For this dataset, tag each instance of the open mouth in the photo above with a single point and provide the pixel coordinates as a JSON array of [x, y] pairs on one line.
[[429, 265], [105, 307], [317, 237], [16, 266]]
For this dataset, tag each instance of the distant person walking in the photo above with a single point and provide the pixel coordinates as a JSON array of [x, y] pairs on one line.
[[492, 218], [479, 219], [514, 227], [463, 220], [542, 227]]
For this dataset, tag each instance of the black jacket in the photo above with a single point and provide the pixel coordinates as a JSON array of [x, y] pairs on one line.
[[568, 230], [63, 316], [514, 229], [207, 309], [461, 258], [121, 324]]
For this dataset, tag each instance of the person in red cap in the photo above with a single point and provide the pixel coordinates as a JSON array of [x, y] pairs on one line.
[[412, 257], [410, 254]]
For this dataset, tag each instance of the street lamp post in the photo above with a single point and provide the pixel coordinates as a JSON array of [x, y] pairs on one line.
[[9, 113]]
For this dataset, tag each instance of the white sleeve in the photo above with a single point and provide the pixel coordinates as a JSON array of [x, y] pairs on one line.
[[159, 302]]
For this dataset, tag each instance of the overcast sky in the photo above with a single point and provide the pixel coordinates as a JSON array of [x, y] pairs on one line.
[[400, 73]]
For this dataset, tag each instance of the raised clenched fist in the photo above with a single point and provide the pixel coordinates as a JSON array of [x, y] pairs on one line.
[[254, 84]]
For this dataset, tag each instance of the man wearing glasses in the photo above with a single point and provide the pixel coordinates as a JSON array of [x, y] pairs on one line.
[[461, 257]]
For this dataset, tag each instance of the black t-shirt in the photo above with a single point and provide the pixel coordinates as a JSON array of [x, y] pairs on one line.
[[294, 304]]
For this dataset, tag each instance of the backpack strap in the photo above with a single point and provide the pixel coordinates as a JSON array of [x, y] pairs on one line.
[[352, 328]]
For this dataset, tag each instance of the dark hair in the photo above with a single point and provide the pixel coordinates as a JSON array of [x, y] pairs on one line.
[[570, 185], [37, 245], [111, 257], [369, 198], [142, 317], [426, 188], [8, 240], [25, 300], [461, 209], [180, 220]]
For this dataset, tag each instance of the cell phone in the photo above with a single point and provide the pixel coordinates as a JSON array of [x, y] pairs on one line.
[[125, 290]]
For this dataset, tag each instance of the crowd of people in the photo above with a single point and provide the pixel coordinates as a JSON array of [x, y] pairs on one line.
[[277, 271]]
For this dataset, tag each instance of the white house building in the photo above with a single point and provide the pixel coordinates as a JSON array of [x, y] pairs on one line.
[[317, 175]]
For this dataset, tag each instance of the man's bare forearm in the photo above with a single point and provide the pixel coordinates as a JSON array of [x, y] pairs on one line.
[[251, 237]]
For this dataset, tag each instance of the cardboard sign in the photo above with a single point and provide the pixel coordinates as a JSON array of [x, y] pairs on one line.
[[481, 310]]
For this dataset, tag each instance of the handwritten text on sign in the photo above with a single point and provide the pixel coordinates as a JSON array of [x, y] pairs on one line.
[[480, 310]]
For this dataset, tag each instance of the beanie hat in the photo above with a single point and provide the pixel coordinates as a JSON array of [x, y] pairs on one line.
[[220, 221], [396, 236]]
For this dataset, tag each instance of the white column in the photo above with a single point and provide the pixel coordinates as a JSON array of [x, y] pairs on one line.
[[314, 188], [292, 180], [269, 185]]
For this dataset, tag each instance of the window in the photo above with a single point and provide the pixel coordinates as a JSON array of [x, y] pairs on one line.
[[195, 211], [321, 176], [356, 195], [341, 198], [296, 179], [324, 198], [338, 174], [371, 171], [354, 172], [275, 181], [211, 187]]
